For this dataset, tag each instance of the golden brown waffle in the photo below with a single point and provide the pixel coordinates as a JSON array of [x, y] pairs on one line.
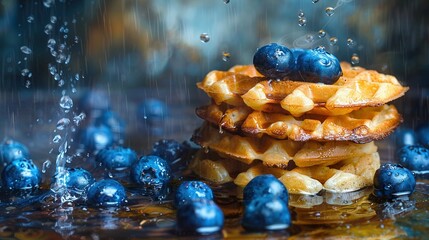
[[345, 176], [357, 88], [360, 126], [274, 152]]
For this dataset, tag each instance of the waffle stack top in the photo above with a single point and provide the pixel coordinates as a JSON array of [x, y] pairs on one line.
[[312, 136]]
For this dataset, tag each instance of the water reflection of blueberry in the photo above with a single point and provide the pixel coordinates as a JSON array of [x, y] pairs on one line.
[[265, 185], [199, 217], [415, 158], [274, 61], [106, 193], [192, 190], [21, 174], [11, 150], [95, 137], [392, 181], [266, 213], [116, 158]]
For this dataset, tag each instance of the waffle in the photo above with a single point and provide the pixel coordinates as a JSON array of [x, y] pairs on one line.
[[345, 176], [360, 126], [357, 88], [274, 152]]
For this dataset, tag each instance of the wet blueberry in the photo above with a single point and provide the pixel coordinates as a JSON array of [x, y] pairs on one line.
[[112, 120], [423, 135], [116, 158], [191, 190], [168, 149], [21, 174], [106, 193], [95, 137], [11, 150], [150, 171], [78, 180], [392, 181], [266, 213], [405, 137], [265, 185], [415, 158], [274, 61], [199, 217], [317, 65]]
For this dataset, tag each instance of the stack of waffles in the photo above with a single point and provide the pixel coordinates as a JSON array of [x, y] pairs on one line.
[[311, 136]]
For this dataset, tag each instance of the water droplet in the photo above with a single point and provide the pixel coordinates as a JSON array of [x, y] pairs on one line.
[[309, 38], [322, 33], [76, 39], [226, 56], [30, 19], [61, 83], [301, 14], [52, 69], [329, 11], [57, 77], [66, 102], [333, 41], [53, 19], [226, 1], [48, 28], [204, 37], [26, 50], [302, 21], [25, 72], [74, 90], [315, 1], [317, 214], [48, 3], [27, 84], [77, 76], [355, 60], [63, 123], [350, 42], [46, 165], [56, 139], [77, 119]]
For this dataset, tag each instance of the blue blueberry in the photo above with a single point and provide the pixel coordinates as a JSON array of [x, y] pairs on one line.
[[191, 190], [11, 150], [78, 180], [112, 120], [93, 138], [274, 61], [392, 181], [266, 213], [405, 137], [415, 158], [317, 65], [116, 158], [168, 149], [423, 135], [106, 193], [150, 171], [199, 217], [152, 110], [94, 102], [21, 174], [265, 185]]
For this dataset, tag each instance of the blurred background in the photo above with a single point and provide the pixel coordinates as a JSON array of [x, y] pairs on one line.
[[124, 53]]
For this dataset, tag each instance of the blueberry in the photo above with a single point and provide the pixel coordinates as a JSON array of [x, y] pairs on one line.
[[265, 185], [274, 61], [405, 136], [93, 138], [393, 180], [116, 158], [201, 217], [152, 110], [11, 150], [423, 135], [168, 149], [317, 65], [21, 174], [112, 120], [266, 213], [415, 158], [94, 101], [78, 180], [191, 190], [151, 171], [106, 193]]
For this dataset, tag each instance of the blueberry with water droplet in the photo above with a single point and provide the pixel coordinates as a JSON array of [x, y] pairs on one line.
[[21, 174], [266, 213], [274, 61], [150, 171], [265, 185], [11, 150], [116, 158], [392, 181], [317, 65], [199, 217], [94, 138], [78, 180], [415, 158], [405, 137], [106, 193], [168, 149], [190, 191]]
